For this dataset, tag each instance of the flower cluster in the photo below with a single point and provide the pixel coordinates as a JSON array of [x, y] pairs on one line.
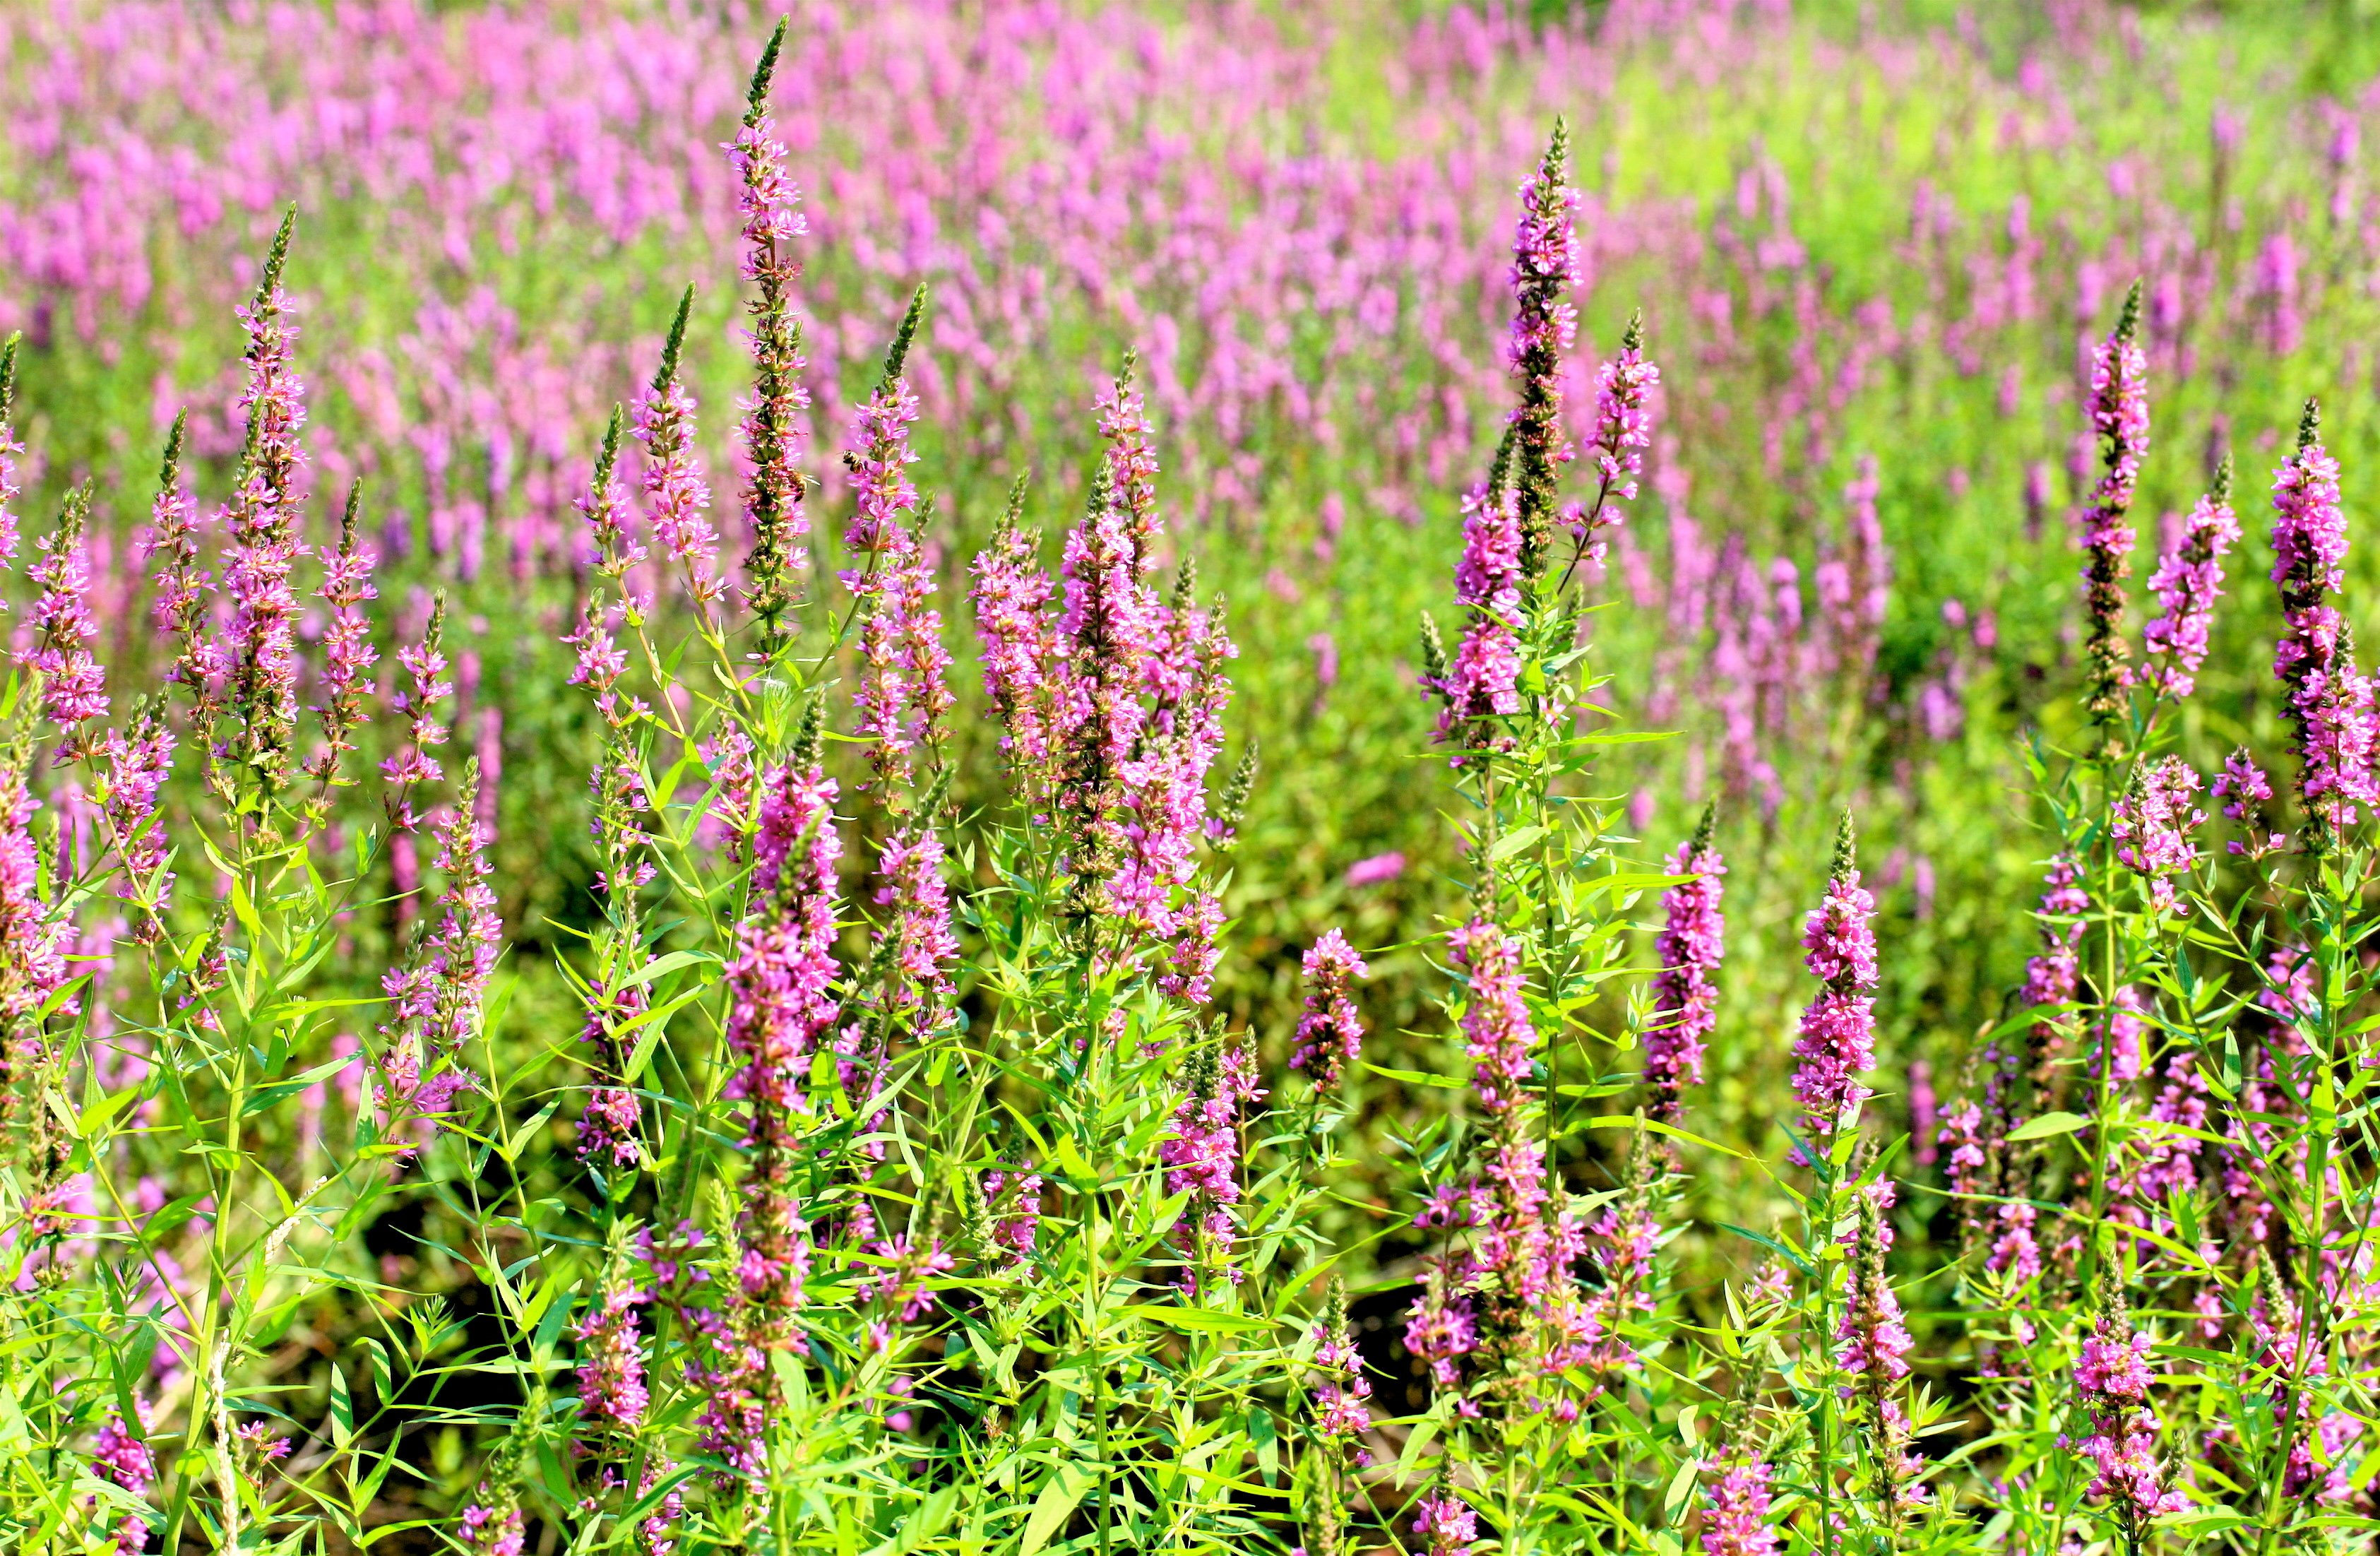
[[1685, 993], [677, 496], [1623, 429], [781, 980], [2119, 418], [262, 521], [1330, 1033], [1736, 1522], [2152, 827], [2113, 1379], [349, 654], [770, 427], [901, 691], [1202, 1160], [74, 688], [2330, 702], [1837, 1037], [2188, 581]]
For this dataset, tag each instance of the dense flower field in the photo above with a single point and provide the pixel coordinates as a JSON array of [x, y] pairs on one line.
[[1277, 777]]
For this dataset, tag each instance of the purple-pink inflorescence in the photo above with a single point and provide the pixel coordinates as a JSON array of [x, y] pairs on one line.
[[436, 995], [2119, 418], [74, 687], [676, 496], [1623, 429], [1483, 680], [1202, 1160], [611, 1392], [1736, 1522], [263, 521], [1448, 1523], [2188, 581], [1012, 611], [2113, 1379], [2152, 826], [349, 654], [1837, 1039], [782, 983], [1685, 994], [770, 430], [125, 1461], [2329, 701], [1331, 1032], [1013, 1199], [901, 657], [1546, 264]]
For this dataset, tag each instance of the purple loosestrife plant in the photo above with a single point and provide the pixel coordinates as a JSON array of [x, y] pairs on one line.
[[1330, 1033], [1736, 1522], [12, 452], [2119, 420], [262, 523], [74, 688], [1340, 1414], [1837, 1034], [770, 429], [2328, 701], [678, 497], [2188, 581], [1545, 324], [1685, 993], [2112, 1380]]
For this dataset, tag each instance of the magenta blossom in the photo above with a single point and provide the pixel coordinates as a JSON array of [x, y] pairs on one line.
[[2188, 581], [1736, 1522], [1685, 995], [1838, 1040], [2119, 418], [2330, 702], [1330, 1033]]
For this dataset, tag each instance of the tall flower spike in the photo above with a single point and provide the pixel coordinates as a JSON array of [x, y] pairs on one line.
[[137, 761], [262, 521], [1106, 631], [1202, 1161], [1330, 1033], [348, 651], [1341, 1413], [675, 493], [782, 980], [1483, 679], [770, 429], [74, 687], [2329, 701], [2119, 418], [1736, 1521], [423, 663], [1874, 1351], [180, 603], [1545, 265], [437, 995], [1685, 995], [900, 658], [12, 452], [1838, 1040], [2112, 1380], [607, 511], [2188, 582], [1623, 429], [1012, 614], [32, 945]]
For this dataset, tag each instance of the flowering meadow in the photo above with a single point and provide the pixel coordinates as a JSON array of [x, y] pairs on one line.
[[1010, 776]]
